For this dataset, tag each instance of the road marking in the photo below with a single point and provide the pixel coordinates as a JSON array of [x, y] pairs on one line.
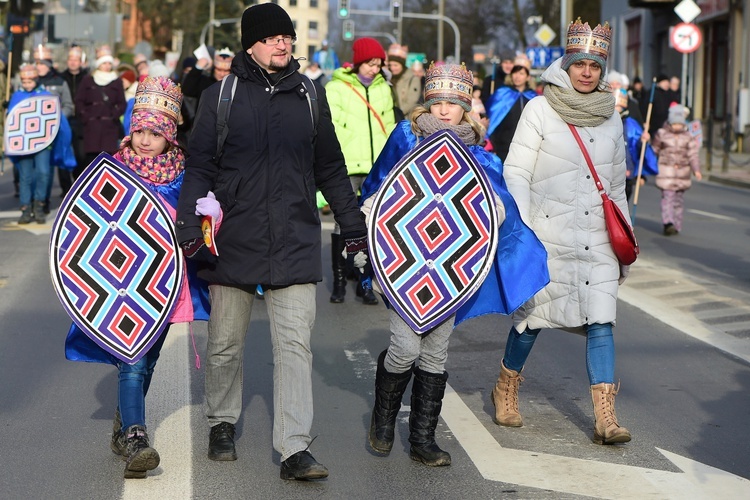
[[685, 323], [584, 477], [169, 406], [711, 214]]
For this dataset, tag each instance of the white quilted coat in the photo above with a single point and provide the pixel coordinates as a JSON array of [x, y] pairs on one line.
[[548, 176]]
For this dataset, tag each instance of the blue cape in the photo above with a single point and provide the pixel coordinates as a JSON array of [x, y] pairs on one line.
[[632, 131], [79, 347], [62, 147], [500, 103], [520, 267]]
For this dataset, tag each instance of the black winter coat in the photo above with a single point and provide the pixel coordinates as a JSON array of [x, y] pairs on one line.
[[266, 180]]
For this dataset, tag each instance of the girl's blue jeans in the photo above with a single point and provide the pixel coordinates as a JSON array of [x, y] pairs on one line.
[[134, 381], [600, 351], [33, 176]]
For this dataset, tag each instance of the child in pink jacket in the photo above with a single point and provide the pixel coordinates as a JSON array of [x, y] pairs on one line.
[[678, 160]]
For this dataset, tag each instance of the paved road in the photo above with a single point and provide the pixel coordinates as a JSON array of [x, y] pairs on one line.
[[683, 399]]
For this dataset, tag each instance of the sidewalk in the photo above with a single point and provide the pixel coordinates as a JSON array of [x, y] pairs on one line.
[[736, 173]]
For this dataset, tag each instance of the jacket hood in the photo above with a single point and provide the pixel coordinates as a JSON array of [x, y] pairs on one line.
[[555, 75]]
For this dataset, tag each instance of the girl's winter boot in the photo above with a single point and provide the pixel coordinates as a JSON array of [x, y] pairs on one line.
[[389, 389], [39, 216], [117, 443], [426, 402], [140, 457], [26, 217]]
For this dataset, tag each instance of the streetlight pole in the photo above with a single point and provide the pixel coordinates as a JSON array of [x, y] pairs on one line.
[[211, 16], [440, 34]]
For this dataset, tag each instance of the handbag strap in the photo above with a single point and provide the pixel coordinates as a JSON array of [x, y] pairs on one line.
[[375, 113], [585, 152]]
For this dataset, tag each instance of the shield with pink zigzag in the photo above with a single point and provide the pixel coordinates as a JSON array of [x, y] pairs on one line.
[[32, 125], [434, 231], [114, 259]]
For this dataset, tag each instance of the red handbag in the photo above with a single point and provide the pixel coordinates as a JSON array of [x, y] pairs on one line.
[[621, 235]]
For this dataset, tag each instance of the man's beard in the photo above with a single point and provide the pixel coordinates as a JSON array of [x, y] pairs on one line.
[[272, 66]]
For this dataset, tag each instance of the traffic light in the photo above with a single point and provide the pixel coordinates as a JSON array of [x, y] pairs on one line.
[[343, 9], [348, 30], [395, 10]]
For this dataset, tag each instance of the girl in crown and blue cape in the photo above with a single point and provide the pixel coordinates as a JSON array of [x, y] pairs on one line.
[[519, 270], [151, 151]]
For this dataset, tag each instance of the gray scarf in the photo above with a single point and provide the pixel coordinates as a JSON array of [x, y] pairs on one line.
[[430, 124], [581, 110]]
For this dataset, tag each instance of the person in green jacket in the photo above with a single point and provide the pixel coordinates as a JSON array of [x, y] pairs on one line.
[[362, 110]]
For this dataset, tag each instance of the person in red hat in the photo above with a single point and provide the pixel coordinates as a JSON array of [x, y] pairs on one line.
[[362, 110]]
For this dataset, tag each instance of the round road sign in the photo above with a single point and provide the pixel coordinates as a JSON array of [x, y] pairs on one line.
[[686, 38]]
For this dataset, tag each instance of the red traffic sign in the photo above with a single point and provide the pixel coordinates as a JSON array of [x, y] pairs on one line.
[[686, 38]]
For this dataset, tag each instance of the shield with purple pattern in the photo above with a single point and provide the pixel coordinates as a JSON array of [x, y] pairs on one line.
[[434, 231], [114, 259], [32, 125]]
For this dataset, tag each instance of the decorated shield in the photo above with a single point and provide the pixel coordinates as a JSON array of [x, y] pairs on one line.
[[32, 125], [434, 231], [114, 259]]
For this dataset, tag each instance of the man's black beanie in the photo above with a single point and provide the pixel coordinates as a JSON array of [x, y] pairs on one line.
[[264, 20]]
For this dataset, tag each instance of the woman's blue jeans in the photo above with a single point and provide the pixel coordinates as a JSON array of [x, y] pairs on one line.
[[134, 381], [600, 351]]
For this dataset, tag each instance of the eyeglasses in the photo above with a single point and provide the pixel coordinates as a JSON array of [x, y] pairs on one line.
[[273, 42]]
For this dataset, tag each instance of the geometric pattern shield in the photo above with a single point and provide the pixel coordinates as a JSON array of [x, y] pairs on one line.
[[114, 259], [434, 234], [32, 125]]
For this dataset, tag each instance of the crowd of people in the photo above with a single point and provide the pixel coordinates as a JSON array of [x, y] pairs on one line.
[[354, 124]]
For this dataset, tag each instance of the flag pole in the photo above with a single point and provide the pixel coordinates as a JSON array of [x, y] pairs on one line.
[[643, 152]]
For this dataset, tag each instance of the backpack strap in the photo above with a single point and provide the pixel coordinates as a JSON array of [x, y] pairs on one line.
[[312, 101], [224, 107]]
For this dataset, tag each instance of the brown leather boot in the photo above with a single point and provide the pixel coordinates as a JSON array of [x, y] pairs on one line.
[[606, 428], [505, 398]]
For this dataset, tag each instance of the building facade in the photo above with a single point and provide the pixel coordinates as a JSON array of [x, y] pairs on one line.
[[714, 77]]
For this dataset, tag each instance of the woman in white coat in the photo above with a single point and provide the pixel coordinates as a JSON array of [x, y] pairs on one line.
[[550, 180]]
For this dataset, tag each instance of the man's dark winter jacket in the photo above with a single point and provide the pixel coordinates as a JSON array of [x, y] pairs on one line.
[[270, 167]]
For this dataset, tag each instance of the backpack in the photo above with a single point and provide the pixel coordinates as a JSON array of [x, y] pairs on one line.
[[224, 107]]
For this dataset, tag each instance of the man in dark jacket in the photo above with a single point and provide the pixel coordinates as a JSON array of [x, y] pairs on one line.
[[663, 99], [264, 183], [73, 76]]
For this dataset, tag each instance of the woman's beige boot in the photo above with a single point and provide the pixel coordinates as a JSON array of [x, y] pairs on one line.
[[606, 428], [505, 398]]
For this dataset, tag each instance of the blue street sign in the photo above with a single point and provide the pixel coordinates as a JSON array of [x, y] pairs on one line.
[[541, 57]]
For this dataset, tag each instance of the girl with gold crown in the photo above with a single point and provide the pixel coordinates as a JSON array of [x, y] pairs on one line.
[[548, 175], [518, 271], [151, 151]]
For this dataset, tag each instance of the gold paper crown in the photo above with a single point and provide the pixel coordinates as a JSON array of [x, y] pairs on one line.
[[448, 82], [223, 58], [398, 50], [28, 71], [158, 95], [582, 39], [104, 50], [42, 53]]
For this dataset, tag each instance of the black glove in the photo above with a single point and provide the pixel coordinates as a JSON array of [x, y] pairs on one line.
[[6, 104], [357, 253], [196, 249]]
